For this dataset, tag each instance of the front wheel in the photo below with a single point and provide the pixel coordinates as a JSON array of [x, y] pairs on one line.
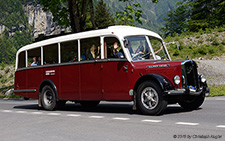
[[150, 99], [191, 102]]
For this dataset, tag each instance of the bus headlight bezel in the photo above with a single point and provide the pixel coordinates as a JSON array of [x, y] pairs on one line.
[[176, 79]]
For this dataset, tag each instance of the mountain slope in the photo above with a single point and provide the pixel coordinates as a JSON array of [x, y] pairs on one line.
[[153, 13]]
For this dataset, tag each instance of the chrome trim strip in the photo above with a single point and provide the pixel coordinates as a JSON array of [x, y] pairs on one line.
[[24, 91]]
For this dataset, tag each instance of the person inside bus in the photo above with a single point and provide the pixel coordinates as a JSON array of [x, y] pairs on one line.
[[34, 62], [93, 53], [140, 49], [117, 54], [83, 57], [39, 61]]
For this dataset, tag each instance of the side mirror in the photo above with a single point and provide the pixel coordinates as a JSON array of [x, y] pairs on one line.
[[126, 43]]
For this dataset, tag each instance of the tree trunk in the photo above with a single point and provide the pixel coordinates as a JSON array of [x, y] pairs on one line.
[[92, 14], [74, 15]]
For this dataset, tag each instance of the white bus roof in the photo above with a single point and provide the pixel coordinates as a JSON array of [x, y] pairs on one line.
[[119, 31]]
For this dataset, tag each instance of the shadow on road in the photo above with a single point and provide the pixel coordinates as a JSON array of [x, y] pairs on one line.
[[115, 108]]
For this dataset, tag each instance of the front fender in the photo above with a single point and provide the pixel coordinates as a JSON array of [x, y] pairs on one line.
[[162, 81]]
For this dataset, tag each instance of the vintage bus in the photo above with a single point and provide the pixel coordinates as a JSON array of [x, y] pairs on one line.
[[119, 63]]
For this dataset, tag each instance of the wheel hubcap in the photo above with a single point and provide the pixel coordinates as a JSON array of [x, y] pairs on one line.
[[149, 98], [48, 98]]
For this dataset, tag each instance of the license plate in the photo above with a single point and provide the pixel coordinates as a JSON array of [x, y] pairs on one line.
[[192, 88]]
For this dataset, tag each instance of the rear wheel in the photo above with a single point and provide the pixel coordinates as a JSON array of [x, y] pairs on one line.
[[48, 98], [191, 102], [89, 103], [150, 99]]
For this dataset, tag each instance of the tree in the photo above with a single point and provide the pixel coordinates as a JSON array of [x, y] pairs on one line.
[[177, 20], [12, 14], [75, 12], [103, 18], [194, 15], [71, 12], [206, 14], [130, 14]]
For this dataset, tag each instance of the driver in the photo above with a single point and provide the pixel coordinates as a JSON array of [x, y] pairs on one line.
[[140, 49]]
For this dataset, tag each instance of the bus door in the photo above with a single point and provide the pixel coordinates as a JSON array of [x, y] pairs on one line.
[[115, 78], [90, 69]]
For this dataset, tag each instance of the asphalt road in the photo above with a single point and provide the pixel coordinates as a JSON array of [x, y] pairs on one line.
[[110, 121]]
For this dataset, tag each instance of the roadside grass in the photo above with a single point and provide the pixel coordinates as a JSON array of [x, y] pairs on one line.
[[205, 44], [4, 89], [9, 96], [217, 90]]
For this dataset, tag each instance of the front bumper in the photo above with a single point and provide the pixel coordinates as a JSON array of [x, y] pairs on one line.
[[204, 90]]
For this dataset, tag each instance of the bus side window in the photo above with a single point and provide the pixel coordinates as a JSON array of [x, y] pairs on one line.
[[50, 54], [113, 48], [34, 56], [90, 49], [21, 60], [69, 51]]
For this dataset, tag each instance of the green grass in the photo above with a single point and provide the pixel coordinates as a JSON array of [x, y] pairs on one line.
[[217, 90], [207, 46], [9, 96]]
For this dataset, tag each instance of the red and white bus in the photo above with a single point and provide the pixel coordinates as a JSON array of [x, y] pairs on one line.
[[119, 63]]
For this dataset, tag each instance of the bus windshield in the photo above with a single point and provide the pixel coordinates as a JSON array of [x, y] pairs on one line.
[[139, 48]]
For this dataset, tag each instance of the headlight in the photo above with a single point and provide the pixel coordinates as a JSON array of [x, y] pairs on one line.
[[203, 79], [176, 79]]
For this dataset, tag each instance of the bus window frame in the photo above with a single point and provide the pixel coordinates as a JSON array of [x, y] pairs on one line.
[[122, 47]]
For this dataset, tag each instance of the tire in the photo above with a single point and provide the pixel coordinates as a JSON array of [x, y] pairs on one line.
[[89, 104], [48, 98], [150, 99], [192, 102]]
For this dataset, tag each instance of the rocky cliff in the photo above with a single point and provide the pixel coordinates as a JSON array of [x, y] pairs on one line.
[[41, 21]]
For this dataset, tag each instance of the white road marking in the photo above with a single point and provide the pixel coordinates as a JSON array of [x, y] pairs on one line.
[[21, 112], [187, 123], [155, 121], [96, 116], [7, 111], [118, 118], [54, 114], [220, 126], [37, 113], [73, 115]]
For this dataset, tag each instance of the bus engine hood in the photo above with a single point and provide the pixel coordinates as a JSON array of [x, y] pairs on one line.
[[167, 69]]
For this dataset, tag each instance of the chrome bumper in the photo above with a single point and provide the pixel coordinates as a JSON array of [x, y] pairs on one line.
[[188, 92]]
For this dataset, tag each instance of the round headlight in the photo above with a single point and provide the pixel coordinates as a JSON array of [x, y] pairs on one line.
[[176, 79], [203, 79]]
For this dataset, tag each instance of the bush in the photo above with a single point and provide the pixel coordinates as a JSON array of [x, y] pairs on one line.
[[176, 53], [2, 66], [7, 70], [215, 42], [11, 76], [202, 50]]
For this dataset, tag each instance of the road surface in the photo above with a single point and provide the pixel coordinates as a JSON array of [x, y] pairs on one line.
[[110, 121]]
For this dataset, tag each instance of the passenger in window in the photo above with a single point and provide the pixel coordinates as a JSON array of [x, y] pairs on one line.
[[93, 53], [39, 61], [34, 62], [140, 49], [83, 57], [117, 54]]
